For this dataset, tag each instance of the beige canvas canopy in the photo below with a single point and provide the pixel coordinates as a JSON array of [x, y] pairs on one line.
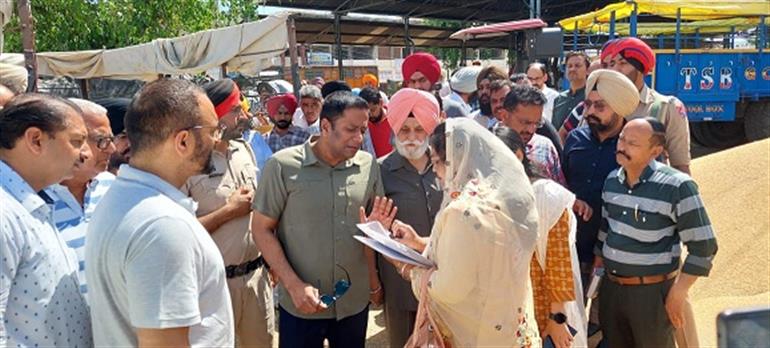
[[246, 48]]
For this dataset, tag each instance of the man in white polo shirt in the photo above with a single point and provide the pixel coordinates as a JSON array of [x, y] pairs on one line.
[[155, 276]]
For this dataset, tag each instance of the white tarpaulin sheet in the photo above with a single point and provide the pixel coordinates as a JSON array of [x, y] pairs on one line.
[[246, 48]]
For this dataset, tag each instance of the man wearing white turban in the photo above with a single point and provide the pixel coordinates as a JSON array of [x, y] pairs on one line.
[[589, 151]]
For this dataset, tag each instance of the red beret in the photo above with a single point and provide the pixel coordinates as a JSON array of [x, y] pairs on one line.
[[288, 100], [423, 62], [633, 49]]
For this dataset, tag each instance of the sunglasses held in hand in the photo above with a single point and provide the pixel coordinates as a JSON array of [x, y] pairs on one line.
[[340, 288]]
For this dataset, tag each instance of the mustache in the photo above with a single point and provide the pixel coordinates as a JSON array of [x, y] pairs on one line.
[[593, 117], [412, 142], [620, 152]]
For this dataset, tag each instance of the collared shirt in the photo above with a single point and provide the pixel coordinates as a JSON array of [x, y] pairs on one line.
[[316, 206], [586, 164], [644, 226], [418, 198], [72, 219], [672, 113], [564, 103], [40, 301], [543, 154], [152, 265], [232, 170], [550, 97], [294, 136]]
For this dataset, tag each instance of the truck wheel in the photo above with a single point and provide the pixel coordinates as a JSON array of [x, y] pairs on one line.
[[757, 120], [720, 135]]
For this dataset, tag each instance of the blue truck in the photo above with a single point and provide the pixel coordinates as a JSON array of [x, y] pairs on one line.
[[725, 87]]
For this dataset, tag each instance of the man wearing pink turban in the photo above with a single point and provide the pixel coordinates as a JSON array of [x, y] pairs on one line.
[[280, 109], [409, 181]]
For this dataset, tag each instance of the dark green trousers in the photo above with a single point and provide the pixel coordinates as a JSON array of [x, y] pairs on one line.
[[634, 316]]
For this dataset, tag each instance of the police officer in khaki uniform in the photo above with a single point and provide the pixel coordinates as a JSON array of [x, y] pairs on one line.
[[635, 59], [224, 198]]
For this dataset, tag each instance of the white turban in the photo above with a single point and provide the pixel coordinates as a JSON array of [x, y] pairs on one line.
[[616, 89], [464, 80]]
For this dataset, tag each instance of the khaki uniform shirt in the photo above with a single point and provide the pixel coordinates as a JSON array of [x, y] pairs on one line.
[[316, 206], [673, 114], [233, 170]]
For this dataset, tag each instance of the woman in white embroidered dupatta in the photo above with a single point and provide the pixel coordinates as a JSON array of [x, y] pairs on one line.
[[482, 241]]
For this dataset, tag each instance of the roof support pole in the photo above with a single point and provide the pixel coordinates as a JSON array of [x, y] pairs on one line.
[[537, 8], [762, 35], [612, 25], [531, 9], [408, 42], [632, 25], [338, 43], [463, 54], [28, 43], [292, 28]]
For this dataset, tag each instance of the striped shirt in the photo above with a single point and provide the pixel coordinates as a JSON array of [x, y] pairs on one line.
[[644, 226], [294, 136], [71, 219]]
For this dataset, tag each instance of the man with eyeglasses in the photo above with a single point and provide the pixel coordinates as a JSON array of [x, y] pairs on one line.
[[155, 276], [224, 202], [76, 198], [522, 111], [280, 109], [537, 74]]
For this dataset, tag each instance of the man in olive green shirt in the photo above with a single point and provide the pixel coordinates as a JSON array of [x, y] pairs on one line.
[[306, 208]]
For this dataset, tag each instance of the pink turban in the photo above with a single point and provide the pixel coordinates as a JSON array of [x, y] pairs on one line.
[[423, 62], [422, 105]]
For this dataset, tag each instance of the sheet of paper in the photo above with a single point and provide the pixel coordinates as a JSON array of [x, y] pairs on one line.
[[376, 231], [387, 252]]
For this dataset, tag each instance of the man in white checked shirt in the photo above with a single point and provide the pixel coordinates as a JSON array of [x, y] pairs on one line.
[[75, 199]]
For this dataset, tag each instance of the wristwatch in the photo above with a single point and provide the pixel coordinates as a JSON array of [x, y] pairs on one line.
[[559, 318]]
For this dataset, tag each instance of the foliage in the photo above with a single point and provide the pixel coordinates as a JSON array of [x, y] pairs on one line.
[[70, 25]]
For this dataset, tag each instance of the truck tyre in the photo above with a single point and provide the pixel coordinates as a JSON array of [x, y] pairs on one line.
[[757, 120], [719, 135]]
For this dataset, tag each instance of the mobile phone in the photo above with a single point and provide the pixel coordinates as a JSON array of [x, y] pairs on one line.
[[748, 327], [548, 341]]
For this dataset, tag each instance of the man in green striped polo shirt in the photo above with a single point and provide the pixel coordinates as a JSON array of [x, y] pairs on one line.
[[649, 210]]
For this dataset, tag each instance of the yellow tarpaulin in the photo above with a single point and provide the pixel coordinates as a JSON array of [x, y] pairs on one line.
[[691, 10], [717, 26]]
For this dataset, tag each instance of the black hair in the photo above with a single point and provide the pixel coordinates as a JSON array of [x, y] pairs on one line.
[[526, 95], [491, 73], [518, 77], [334, 86], [497, 85], [336, 103], [371, 95], [514, 142], [116, 112], [581, 54], [46, 112], [658, 131], [438, 141], [219, 90], [160, 109]]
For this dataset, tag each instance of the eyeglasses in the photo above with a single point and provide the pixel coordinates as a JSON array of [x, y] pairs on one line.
[[340, 288], [218, 130], [102, 141], [597, 105]]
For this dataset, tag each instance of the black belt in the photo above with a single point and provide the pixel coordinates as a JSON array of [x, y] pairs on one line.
[[245, 268]]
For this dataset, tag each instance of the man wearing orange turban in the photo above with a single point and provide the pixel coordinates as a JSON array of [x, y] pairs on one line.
[[280, 109], [409, 181]]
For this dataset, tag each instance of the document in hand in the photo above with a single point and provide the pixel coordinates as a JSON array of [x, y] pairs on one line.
[[379, 240]]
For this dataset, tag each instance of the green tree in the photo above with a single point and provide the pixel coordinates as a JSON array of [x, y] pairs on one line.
[[69, 25]]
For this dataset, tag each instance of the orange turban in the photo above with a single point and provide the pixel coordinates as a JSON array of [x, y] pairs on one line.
[[370, 79], [408, 101]]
